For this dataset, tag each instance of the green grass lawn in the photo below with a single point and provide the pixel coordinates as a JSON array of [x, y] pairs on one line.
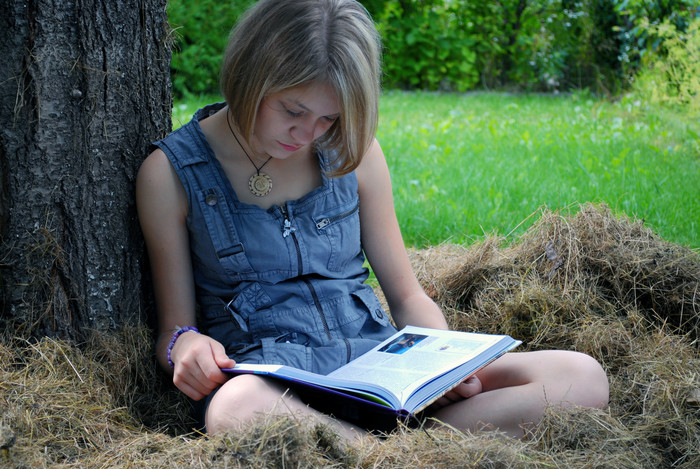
[[482, 163]]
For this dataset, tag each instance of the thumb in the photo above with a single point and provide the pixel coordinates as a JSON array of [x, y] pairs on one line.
[[222, 360]]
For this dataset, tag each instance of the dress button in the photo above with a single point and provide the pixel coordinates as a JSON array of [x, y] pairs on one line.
[[379, 313], [211, 200]]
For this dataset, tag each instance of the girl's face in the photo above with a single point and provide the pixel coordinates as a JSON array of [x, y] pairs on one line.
[[289, 120]]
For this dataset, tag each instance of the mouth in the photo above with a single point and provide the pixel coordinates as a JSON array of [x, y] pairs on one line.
[[290, 148]]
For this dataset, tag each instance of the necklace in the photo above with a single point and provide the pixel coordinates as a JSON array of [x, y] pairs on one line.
[[260, 184]]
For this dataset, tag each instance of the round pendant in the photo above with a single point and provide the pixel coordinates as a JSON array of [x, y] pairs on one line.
[[260, 184]]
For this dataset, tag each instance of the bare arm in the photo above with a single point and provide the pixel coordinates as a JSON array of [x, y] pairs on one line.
[[162, 207], [384, 247]]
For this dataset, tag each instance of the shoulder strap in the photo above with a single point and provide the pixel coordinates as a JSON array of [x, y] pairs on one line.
[[192, 158]]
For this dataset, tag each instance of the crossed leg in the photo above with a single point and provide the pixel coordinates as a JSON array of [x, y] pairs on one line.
[[244, 397], [517, 387]]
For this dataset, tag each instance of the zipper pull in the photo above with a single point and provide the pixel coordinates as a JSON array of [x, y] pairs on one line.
[[288, 228], [322, 223]]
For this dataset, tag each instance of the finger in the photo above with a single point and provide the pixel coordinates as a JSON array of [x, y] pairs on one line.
[[448, 398], [442, 402], [207, 372], [189, 387], [468, 388], [212, 363], [190, 392], [192, 381], [221, 358], [195, 375], [198, 371], [452, 396], [205, 376], [462, 392]]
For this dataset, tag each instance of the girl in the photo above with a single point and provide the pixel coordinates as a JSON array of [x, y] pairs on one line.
[[258, 215]]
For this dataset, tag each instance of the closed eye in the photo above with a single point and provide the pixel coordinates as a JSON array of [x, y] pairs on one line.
[[294, 114]]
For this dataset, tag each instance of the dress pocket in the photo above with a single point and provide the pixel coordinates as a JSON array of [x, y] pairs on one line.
[[277, 352], [341, 229], [246, 303], [222, 232], [368, 298]]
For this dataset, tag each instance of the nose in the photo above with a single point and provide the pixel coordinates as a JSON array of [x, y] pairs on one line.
[[303, 133], [308, 131]]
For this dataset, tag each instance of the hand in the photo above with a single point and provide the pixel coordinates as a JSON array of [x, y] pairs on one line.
[[198, 361], [464, 390]]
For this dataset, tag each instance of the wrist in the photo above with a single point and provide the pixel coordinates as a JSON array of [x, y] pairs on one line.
[[178, 332]]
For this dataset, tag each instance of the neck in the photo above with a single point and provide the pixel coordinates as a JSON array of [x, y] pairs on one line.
[[257, 160]]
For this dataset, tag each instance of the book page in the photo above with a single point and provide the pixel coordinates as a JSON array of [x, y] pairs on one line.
[[414, 357]]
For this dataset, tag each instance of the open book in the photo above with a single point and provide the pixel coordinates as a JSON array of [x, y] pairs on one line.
[[400, 377]]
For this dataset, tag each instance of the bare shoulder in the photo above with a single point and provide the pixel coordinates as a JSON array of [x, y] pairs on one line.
[[373, 167], [154, 167], [158, 186]]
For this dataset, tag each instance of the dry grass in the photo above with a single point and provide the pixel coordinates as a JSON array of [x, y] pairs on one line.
[[593, 282]]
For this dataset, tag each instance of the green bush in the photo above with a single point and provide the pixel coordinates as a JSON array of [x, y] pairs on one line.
[[546, 45], [566, 46], [459, 45], [201, 32], [671, 73], [426, 46], [522, 44], [639, 16]]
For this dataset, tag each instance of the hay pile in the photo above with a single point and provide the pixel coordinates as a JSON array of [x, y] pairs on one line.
[[592, 282]]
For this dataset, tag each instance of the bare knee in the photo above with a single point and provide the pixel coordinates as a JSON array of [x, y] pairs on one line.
[[591, 378], [574, 378], [240, 400], [244, 398], [565, 377]]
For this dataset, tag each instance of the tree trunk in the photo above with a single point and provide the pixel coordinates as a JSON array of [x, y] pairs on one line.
[[84, 89], [511, 25]]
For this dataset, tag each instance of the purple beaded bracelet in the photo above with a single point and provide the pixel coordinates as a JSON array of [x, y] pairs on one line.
[[178, 333]]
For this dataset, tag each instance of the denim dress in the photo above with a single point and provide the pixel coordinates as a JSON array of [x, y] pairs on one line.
[[284, 285]]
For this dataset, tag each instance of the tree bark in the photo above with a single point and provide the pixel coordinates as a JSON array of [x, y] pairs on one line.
[[84, 89]]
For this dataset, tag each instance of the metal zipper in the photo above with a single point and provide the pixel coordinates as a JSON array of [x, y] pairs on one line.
[[289, 230], [347, 348], [324, 222], [317, 303]]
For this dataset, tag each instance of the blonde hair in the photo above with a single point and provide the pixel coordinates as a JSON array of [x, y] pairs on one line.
[[280, 44]]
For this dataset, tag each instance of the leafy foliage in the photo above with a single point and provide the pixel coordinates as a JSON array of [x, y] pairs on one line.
[[639, 17], [460, 45], [201, 32], [672, 74], [541, 45], [427, 46]]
